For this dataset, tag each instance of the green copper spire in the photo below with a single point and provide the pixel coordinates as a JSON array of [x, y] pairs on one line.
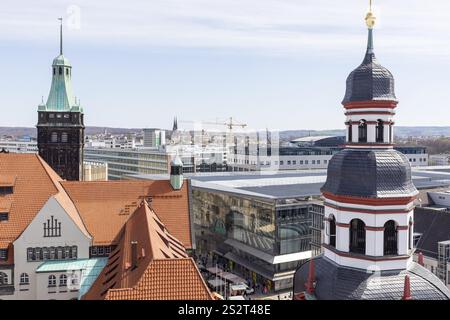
[[61, 97]]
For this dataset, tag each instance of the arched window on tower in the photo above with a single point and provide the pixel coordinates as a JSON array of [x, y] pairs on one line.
[[332, 222], [362, 131], [54, 137], [357, 236], [54, 71], [350, 132], [380, 131], [60, 71], [390, 238]]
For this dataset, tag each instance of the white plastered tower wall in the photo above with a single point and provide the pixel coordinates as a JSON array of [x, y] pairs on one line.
[[375, 222], [33, 237]]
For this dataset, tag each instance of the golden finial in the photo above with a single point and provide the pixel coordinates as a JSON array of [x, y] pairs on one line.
[[370, 18]]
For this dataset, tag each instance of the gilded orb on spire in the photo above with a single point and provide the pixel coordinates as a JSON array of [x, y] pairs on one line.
[[370, 18]]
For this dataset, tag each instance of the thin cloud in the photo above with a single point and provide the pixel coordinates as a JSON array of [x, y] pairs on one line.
[[265, 26]]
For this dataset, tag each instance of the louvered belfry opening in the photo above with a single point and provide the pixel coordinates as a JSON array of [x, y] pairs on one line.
[[357, 236], [332, 231], [390, 238]]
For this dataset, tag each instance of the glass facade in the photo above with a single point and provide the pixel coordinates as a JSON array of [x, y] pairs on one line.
[[245, 228], [125, 162]]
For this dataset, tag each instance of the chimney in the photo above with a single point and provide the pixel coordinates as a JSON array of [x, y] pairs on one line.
[[311, 278], [420, 259], [134, 255], [407, 289]]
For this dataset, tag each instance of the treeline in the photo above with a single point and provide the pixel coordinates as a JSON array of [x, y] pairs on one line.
[[433, 145]]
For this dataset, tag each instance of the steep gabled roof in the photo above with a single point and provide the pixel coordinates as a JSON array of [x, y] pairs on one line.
[[162, 269]]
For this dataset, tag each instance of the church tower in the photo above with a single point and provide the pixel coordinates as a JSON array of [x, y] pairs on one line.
[[369, 203], [60, 128]]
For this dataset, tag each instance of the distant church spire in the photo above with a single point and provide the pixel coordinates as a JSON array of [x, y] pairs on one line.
[[61, 36], [175, 124]]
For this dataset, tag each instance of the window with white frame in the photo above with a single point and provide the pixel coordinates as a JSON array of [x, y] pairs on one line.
[[63, 280], [24, 279], [52, 280]]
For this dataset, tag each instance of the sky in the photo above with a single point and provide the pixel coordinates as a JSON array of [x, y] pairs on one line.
[[280, 64]]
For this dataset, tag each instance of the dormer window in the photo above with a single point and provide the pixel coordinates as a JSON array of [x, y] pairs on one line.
[[4, 216]]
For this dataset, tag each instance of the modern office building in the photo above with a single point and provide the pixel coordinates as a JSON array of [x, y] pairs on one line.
[[19, 146], [154, 138], [302, 153], [123, 162], [262, 226]]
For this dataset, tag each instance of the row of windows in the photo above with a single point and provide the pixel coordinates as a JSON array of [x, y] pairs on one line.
[[25, 279], [60, 71], [100, 251], [282, 162], [362, 131], [56, 138], [420, 160], [59, 115], [52, 280], [52, 253], [358, 236]]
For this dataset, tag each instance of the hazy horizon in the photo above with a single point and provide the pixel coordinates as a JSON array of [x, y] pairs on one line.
[[280, 64]]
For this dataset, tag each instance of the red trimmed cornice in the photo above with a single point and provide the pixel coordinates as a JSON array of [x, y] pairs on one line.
[[370, 122], [342, 225], [369, 201], [370, 228], [369, 211], [369, 112], [364, 257], [371, 104]]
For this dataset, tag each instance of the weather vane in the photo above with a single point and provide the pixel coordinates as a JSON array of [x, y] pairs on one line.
[[370, 18]]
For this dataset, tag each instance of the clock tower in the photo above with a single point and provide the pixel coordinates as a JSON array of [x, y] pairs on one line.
[[60, 127]]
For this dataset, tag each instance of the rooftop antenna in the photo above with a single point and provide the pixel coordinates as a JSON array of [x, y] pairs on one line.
[[60, 36]]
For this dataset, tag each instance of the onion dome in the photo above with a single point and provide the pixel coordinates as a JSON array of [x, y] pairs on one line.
[[386, 173], [370, 81], [335, 282]]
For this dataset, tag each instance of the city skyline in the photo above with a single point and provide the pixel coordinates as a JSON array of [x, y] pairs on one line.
[[206, 60]]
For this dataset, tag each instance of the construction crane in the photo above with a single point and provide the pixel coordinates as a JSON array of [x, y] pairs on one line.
[[230, 125]]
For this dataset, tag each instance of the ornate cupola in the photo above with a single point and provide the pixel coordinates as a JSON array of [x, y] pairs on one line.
[[61, 122], [370, 100], [369, 203]]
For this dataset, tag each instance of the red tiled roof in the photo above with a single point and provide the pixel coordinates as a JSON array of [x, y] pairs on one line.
[[33, 183], [113, 202], [162, 271], [32, 187]]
